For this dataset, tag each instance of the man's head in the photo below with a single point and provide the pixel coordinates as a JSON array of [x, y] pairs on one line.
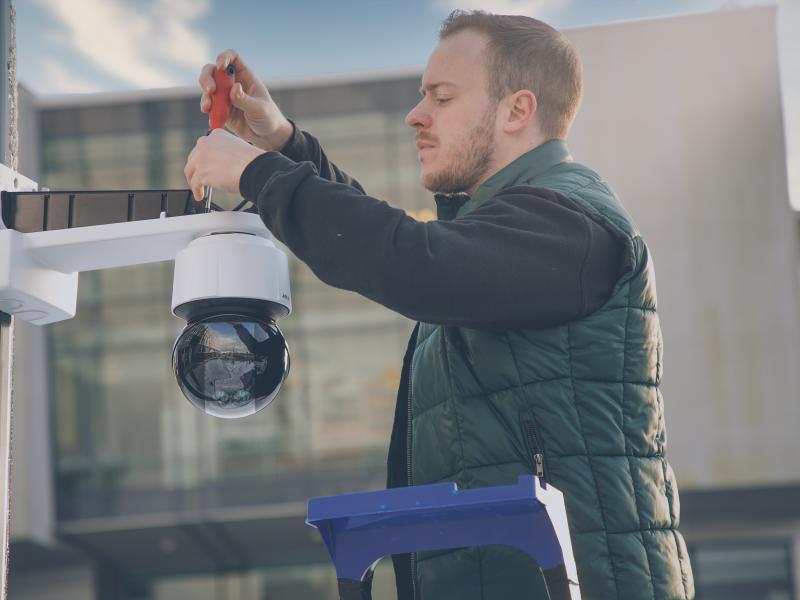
[[495, 87]]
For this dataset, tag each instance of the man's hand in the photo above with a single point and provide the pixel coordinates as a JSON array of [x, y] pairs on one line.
[[218, 160], [254, 115]]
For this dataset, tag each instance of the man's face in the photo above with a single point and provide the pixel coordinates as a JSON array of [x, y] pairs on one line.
[[455, 120]]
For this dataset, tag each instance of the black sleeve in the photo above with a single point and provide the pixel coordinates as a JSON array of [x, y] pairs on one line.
[[303, 146], [526, 259]]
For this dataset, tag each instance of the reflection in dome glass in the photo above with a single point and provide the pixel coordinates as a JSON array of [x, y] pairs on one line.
[[230, 366]]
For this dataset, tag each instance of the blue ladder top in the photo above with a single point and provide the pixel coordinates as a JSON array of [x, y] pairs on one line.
[[359, 529]]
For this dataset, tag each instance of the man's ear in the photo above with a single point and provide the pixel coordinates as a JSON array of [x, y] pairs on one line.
[[521, 108]]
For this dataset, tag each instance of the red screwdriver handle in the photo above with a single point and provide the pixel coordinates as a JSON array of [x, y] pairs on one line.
[[220, 99]]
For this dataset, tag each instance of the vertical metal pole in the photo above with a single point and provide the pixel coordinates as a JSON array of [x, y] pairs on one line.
[[8, 154], [9, 107], [5, 38], [6, 363]]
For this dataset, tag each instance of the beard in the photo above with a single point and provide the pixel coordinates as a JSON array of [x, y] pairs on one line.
[[470, 162]]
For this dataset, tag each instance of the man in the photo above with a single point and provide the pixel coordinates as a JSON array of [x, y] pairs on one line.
[[538, 348]]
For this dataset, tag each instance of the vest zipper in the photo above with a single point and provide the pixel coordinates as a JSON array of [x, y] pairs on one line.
[[534, 447], [408, 428], [408, 463]]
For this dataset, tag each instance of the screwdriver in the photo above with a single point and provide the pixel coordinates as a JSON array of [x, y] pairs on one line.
[[220, 110]]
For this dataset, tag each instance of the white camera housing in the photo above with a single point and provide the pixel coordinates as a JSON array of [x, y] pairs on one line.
[[231, 273]]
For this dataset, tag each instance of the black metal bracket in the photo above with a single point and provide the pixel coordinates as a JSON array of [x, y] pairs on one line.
[[48, 210]]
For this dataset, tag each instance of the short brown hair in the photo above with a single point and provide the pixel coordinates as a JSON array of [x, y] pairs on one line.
[[527, 54]]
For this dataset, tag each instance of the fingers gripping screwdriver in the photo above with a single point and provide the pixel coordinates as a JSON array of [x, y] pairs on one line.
[[220, 109]]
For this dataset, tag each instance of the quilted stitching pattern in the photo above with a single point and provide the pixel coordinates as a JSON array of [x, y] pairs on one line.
[[591, 387]]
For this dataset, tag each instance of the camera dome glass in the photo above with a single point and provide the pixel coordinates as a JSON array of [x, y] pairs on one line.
[[230, 366]]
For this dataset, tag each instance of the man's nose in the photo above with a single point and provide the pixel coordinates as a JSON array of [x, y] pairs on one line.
[[418, 117]]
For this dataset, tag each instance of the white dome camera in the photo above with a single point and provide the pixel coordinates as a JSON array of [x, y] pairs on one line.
[[231, 359]]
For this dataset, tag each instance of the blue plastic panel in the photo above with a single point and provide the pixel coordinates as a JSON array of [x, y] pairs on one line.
[[358, 529]]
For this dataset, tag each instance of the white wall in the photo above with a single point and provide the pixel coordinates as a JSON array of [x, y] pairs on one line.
[[682, 116]]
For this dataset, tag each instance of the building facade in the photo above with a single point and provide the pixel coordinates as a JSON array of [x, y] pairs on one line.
[[123, 490]]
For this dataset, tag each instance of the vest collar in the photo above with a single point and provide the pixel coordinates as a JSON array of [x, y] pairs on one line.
[[448, 205], [520, 170]]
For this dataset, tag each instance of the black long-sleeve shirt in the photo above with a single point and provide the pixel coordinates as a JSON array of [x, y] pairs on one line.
[[527, 258]]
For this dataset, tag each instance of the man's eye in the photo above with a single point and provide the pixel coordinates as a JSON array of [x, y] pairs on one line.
[[443, 100]]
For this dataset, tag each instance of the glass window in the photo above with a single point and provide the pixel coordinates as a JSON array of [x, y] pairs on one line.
[[745, 570]]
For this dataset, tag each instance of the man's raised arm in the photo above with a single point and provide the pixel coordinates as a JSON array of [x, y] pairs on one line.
[[256, 118]]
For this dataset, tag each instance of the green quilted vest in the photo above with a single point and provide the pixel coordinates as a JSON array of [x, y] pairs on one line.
[[579, 402]]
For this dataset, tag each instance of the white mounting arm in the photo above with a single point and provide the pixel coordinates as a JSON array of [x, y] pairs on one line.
[[132, 243], [39, 270]]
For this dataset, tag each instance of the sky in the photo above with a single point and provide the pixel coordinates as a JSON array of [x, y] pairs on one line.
[[88, 46]]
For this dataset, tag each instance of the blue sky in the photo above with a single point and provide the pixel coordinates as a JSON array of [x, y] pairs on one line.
[[69, 46], [85, 46]]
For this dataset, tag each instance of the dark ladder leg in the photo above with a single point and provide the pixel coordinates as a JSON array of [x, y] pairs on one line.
[[557, 583], [353, 589]]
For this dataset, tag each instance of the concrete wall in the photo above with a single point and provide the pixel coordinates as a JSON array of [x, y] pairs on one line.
[[682, 116]]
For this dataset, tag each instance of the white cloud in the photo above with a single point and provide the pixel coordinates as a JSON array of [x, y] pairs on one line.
[[61, 80], [531, 8], [142, 44]]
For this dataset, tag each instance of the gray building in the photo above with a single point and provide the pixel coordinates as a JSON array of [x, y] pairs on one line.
[[123, 490]]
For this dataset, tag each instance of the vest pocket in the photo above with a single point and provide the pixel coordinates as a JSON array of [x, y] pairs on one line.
[[533, 445]]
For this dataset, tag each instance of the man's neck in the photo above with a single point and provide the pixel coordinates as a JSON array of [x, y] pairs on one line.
[[502, 158]]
